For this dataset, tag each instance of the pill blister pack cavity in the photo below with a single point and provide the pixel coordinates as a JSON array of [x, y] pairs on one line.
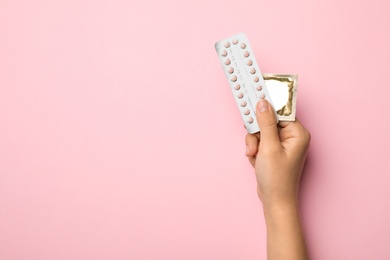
[[244, 76]]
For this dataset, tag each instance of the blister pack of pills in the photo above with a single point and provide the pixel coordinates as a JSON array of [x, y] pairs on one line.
[[244, 76]]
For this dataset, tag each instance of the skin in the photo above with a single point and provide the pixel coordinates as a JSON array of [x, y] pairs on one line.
[[278, 154]]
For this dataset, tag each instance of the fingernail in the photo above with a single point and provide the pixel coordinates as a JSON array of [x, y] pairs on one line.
[[262, 105], [247, 149]]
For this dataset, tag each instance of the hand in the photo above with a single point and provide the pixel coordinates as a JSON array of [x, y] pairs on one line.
[[278, 154]]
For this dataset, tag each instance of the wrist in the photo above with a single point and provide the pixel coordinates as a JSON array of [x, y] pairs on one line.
[[277, 200], [285, 238], [280, 209]]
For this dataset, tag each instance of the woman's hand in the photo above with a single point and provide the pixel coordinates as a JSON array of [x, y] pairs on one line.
[[278, 154]]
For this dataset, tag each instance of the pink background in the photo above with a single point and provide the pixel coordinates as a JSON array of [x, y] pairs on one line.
[[120, 139]]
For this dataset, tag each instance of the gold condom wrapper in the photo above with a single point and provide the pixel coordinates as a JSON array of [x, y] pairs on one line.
[[283, 91]]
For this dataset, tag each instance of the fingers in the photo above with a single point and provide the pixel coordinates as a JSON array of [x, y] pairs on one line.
[[252, 161], [294, 127], [267, 122], [295, 130], [252, 144], [284, 124]]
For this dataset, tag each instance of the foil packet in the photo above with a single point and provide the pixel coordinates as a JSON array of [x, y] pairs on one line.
[[283, 91]]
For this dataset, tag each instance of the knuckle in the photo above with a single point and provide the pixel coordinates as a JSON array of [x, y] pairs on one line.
[[306, 136]]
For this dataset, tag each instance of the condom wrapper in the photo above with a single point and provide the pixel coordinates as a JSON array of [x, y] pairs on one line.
[[283, 91]]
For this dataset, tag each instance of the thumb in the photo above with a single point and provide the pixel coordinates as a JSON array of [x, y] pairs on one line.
[[268, 124]]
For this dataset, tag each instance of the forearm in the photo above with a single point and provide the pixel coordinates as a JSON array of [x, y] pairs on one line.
[[284, 234]]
